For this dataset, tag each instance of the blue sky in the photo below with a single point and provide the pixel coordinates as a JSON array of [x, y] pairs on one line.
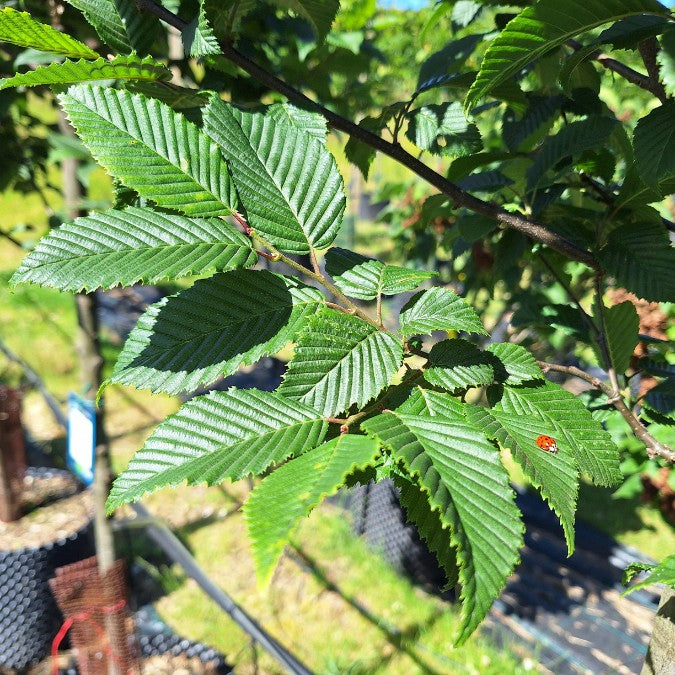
[[404, 4]]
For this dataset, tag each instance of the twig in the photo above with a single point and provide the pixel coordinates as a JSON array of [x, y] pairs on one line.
[[632, 76], [11, 238], [277, 256], [584, 314], [460, 197], [654, 448], [601, 338], [649, 48]]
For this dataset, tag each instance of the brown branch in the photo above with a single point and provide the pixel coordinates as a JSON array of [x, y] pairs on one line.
[[11, 238], [633, 76], [460, 197], [654, 448], [649, 48]]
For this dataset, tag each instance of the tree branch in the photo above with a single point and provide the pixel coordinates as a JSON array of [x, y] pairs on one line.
[[633, 76], [649, 48], [460, 197], [654, 448]]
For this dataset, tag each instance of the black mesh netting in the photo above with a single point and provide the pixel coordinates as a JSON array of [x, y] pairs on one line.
[[379, 517], [29, 617]]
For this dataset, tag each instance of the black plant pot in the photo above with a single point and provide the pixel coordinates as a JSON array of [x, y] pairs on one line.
[[29, 617]]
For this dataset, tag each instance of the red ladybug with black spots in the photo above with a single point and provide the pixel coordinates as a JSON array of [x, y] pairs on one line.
[[547, 444]]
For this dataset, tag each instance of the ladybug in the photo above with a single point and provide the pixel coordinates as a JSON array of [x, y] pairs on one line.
[[547, 444]]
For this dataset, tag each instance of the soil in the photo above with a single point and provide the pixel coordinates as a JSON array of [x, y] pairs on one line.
[[50, 522]]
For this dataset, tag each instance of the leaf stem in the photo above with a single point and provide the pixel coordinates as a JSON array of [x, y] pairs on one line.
[[318, 277], [654, 448], [408, 378]]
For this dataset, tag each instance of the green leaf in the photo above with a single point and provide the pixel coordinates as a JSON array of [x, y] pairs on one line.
[[555, 475], [621, 333], [198, 36], [443, 130], [364, 278], [640, 257], [573, 66], [627, 33], [634, 192], [319, 13], [662, 397], [276, 506], [20, 28], [123, 247], [223, 435], [466, 483], [340, 360], [430, 527], [152, 149], [120, 68], [666, 61], [571, 140], [654, 143], [447, 61], [458, 364], [212, 328], [516, 364], [439, 309], [663, 573], [563, 416], [287, 180], [539, 115], [310, 122], [543, 27], [430, 403], [120, 23]]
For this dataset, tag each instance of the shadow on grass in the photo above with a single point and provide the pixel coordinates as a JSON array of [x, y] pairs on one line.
[[598, 508], [397, 638]]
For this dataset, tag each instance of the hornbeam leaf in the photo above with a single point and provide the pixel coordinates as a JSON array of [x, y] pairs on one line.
[[622, 326], [555, 475], [654, 142], [642, 259], [364, 278], [339, 360], [662, 397], [518, 365], [543, 27], [275, 508], [310, 122], [287, 180], [458, 364], [152, 149], [466, 483], [569, 141], [426, 402], [20, 28], [223, 435], [430, 527], [319, 13], [198, 36], [120, 23], [564, 417], [443, 130], [68, 72], [439, 309], [212, 328], [123, 247]]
